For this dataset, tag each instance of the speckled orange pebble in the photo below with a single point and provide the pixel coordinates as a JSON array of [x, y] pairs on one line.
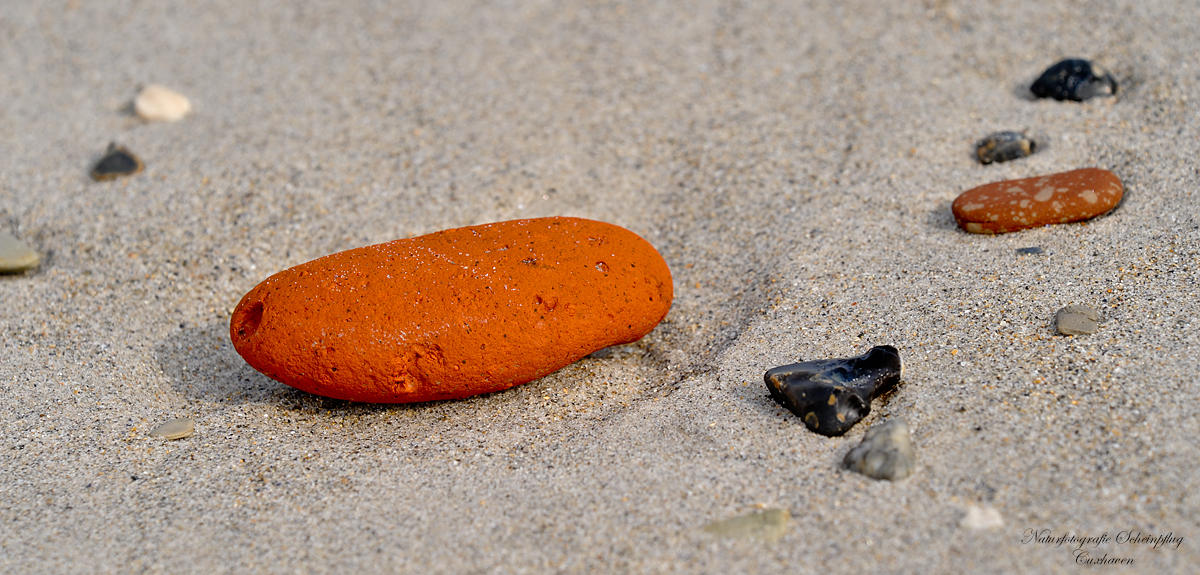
[[1014, 205], [453, 313]]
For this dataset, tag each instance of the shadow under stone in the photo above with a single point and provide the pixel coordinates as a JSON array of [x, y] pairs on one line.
[[203, 367]]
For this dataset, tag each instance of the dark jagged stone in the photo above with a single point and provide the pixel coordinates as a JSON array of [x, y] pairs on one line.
[[1004, 146], [1075, 80], [831, 395], [117, 161]]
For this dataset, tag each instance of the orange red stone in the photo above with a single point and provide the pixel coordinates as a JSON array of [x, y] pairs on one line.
[[1013, 205], [453, 313]]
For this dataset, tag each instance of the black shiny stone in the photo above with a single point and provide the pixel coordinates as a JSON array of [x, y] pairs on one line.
[[831, 395], [117, 161], [1004, 146], [1075, 80], [1031, 251]]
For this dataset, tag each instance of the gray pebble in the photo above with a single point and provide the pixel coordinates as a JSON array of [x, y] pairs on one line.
[[175, 429], [1076, 320], [886, 452], [15, 256], [1004, 146], [1031, 251]]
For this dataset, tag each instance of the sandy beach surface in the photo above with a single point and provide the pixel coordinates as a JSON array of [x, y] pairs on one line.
[[793, 162]]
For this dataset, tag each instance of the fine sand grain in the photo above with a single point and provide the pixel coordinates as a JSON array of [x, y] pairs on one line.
[[794, 162]]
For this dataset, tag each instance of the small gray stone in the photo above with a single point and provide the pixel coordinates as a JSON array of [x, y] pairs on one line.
[[1076, 320], [1031, 251], [768, 525], [175, 429], [1004, 146], [886, 452], [16, 257]]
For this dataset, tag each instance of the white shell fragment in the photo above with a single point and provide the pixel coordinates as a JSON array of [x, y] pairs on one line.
[[985, 517], [767, 525], [15, 256], [158, 104], [175, 429]]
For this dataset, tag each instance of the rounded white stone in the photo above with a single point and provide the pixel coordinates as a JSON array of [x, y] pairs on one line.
[[158, 104]]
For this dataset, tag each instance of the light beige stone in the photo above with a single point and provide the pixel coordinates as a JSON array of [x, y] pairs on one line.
[[15, 256], [159, 104], [977, 518]]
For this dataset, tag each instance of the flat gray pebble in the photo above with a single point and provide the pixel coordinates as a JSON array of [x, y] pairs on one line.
[[175, 429], [1076, 320], [1031, 251], [886, 452], [15, 256]]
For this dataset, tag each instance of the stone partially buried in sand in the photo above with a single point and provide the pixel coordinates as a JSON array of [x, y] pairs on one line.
[[1076, 320], [886, 452], [175, 429], [1075, 80], [117, 161], [1013, 205], [1004, 146], [160, 104], [16, 257], [766, 525], [831, 395]]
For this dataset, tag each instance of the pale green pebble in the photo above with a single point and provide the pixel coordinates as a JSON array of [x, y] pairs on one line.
[[175, 429], [15, 256], [768, 525]]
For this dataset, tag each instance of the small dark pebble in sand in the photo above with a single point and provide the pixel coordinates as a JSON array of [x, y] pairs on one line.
[[117, 161], [831, 395], [886, 452], [1004, 146], [1075, 80], [1076, 320], [1031, 251]]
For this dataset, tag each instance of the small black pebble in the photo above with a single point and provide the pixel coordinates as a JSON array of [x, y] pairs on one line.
[[831, 395], [1004, 146], [117, 161], [1075, 80], [1033, 250]]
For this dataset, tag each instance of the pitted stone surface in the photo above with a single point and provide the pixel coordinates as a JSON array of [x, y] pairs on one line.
[[1013, 205]]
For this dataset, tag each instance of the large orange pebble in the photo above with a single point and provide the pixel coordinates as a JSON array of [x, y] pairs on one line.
[[454, 313], [1014, 205]]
